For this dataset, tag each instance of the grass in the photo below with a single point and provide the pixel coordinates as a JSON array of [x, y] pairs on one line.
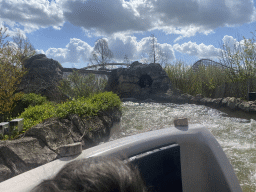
[[206, 80]]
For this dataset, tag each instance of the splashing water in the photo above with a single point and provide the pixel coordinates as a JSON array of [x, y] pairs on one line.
[[236, 136]]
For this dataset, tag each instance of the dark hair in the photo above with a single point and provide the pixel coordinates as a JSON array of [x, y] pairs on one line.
[[95, 174]]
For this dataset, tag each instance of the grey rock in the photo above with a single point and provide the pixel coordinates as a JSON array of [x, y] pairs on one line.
[[42, 77], [232, 103], [244, 106], [42, 143], [5, 172], [217, 102], [52, 132], [253, 108], [22, 155], [138, 81], [129, 99], [224, 102]]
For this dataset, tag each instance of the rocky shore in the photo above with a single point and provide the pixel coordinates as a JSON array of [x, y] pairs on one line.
[[42, 143], [231, 103]]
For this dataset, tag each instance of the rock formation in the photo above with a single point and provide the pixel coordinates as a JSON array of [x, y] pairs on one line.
[[40, 144], [138, 81], [42, 77], [231, 103]]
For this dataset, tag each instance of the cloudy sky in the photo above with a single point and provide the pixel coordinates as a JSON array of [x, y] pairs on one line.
[[187, 30]]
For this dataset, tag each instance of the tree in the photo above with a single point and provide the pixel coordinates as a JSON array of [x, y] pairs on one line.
[[11, 72], [101, 54], [164, 58], [126, 60], [77, 85], [240, 61], [24, 48], [155, 50]]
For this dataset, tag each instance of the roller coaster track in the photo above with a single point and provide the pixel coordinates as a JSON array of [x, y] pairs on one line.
[[102, 65], [206, 62]]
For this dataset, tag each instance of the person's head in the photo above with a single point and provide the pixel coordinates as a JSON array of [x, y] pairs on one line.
[[95, 174]]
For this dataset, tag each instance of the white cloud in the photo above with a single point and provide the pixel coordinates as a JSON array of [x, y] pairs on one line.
[[107, 17], [76, 50], [32, 14], [40, 51], [79, 51], [184, 17], [136, 50], [200, 51], [122, 45]]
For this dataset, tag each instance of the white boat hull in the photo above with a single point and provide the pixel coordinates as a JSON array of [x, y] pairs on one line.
[[172, 159]]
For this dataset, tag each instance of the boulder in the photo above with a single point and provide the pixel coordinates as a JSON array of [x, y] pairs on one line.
[[43, 142], [233, 103], [42, 77], [138, 81], [22, 155], [217, 102]]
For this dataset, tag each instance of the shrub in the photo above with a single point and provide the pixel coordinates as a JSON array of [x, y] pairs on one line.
[[80, 106], [34, 115], [33, 99], [77, 85], [27, 100], [106, 100], [37, 114]]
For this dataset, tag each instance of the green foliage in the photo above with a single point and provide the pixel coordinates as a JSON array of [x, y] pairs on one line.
[[78, 85], [12, 71], [27, 100], [80, 106], [33, 99], [202, 81], [37, 114], [105, 101], [34, 115]]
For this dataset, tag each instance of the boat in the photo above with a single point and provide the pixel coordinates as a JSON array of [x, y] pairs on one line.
[[181, 158]]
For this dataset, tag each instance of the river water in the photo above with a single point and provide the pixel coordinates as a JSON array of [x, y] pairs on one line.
[[237, 136]]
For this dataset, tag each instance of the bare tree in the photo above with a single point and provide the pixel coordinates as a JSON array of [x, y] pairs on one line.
[[25, 49], [155, 50], [101, 54], [164, 57], [126, 60]]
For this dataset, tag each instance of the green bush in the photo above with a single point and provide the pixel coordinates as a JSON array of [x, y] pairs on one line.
[[34, 115], [80, 107], [33, 99], [37, 114], [27, 100], [105, 101]]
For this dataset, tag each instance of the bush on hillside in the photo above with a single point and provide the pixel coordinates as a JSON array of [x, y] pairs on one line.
[[82, 106], [30, 99]]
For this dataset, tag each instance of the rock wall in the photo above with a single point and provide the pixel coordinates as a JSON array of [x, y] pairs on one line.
[[138, 81], [231, 103], [40, 144], [42, 77]]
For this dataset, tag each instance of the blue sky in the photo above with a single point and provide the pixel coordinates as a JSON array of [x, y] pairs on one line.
[[187, 30]]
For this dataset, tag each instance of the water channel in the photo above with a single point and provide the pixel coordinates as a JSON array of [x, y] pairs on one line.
[[237, 136]]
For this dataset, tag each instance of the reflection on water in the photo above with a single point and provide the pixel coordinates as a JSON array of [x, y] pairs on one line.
[[237, 136]]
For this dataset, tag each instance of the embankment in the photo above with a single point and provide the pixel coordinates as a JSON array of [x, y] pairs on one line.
[[41, 144]]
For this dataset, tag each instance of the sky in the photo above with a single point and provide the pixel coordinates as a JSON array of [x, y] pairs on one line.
[[186, 30]]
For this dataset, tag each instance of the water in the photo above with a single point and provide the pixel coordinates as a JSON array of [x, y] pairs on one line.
[[237, 136]]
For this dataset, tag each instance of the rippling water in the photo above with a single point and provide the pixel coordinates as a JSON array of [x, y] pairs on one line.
[[237, 136]]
